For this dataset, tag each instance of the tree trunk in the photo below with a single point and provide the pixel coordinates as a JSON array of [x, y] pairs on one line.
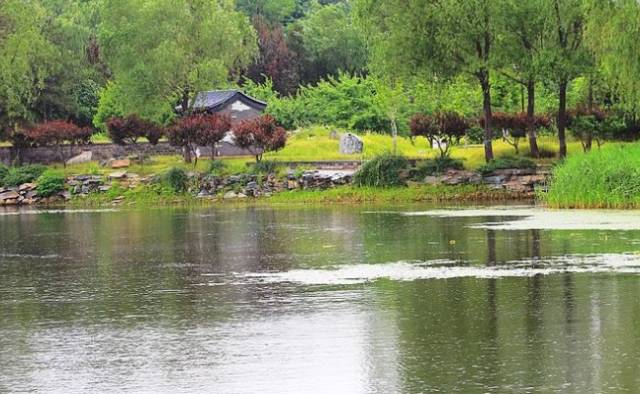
[[394, 132], [531, 113], [488, 116], [590, 95], [62, 155], [588, 143], [184, 102], [187, 154], [562, 118]]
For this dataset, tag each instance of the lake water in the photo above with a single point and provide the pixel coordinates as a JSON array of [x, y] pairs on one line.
[[341, 299]]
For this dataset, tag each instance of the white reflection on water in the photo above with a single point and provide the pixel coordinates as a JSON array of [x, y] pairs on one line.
[[543, 219], [409, 271], [321, 351]]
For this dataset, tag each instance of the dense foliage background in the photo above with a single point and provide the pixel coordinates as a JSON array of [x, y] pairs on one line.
[[360, 64]]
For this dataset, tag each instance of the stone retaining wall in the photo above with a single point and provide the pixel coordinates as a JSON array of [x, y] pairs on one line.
[[523, 181], [100, 152]]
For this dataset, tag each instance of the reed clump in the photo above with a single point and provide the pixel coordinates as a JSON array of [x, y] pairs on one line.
[[603, 178]]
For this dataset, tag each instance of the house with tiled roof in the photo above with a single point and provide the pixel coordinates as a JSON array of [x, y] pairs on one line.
[[238, 105]]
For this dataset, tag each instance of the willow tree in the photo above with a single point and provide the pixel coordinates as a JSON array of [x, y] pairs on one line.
[[423, 38], [613, 32], [522, 47], [163, 52], [26, 59], [568, 57]]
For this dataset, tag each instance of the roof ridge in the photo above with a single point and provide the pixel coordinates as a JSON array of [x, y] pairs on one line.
[[220, 90]]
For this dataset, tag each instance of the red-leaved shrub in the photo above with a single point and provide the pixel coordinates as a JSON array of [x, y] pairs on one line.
[[444, 128], [57, 133], [199, 130], [260, 135], [128, 130]]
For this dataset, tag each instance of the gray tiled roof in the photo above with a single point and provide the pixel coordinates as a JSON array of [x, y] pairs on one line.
[[218, 98]]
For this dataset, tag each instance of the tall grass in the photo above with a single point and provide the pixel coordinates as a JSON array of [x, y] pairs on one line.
[[604, 178], [382, 171]]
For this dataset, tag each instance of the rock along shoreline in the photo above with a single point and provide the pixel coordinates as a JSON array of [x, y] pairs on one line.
[[513, 183]]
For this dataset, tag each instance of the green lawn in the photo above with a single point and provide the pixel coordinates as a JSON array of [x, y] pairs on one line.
[[315, 144]]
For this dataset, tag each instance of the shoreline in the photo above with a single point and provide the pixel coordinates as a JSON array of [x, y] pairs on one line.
[[143, 196]]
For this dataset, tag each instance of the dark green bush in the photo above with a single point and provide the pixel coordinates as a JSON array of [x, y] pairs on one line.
[[177, 180], [216, 167], [265, 167], [4, 170], [507, 162], [475, 135], [382, 171], [50, 183], [437, 166], [16, 176]]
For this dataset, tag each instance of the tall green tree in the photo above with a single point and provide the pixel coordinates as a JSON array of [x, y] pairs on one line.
[[568, 57], [445, 37], [162, 52], [331, 42], [70, 91], [274, 11], [26, 59], [613, 32], [522, 45], [391, 97]]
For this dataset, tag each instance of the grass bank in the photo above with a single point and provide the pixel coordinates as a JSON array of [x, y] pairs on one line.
[[603, 178], [422, 193], [159, 195]]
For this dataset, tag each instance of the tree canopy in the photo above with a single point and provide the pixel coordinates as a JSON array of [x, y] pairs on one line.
[[164, 51]]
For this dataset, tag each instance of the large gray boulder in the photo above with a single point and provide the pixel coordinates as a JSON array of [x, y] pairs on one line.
[[83, 157], [351, 144]]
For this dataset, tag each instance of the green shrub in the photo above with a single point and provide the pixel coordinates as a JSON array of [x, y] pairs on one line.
[[18, 175], [344, 101], [507, 162], [437, 166], [382, 171], [300, 170], [177, 180], [216, 167], [266, 167], [475, 135], [50, 183], [603, 178], [4, 170]]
